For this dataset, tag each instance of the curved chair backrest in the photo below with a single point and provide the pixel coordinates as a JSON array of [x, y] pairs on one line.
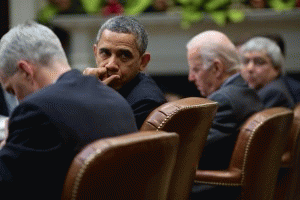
[[256, 158], [266, 136], [191, 118], [288, 182], [289, 153], [132, 166]]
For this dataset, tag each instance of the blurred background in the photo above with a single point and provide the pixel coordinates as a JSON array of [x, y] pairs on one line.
[[170, 24]]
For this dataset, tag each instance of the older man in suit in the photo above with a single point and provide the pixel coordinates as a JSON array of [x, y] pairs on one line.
[[263, 69], [213, 67], [60, 112]]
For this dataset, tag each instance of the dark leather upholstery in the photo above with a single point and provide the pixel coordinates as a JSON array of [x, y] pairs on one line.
[[132, 166], [191, 118], [287, 183], [256, 158]]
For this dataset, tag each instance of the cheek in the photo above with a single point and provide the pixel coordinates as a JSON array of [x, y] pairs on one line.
[[261, 72], [129, 69]]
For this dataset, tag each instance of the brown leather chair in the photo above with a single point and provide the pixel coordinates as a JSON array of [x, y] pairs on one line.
[[287, 184], [256, 158], [132, 166], [191, 118]]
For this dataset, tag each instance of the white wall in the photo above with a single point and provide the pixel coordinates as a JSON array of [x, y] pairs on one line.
[[167, 39], [21, 10]]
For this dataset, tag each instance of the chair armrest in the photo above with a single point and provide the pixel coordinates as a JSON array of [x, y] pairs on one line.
[[217, 177]]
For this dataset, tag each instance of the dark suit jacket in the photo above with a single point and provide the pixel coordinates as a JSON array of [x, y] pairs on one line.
[[276, 94], [51, 126], [143, 95], [236, 103], [294, 88]]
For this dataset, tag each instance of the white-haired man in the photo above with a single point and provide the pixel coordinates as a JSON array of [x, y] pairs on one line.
[[213, 67], [60, 112], [263, 69]]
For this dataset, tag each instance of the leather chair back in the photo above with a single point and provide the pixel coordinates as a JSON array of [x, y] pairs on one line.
[[256, 158], [191, 118], [289, 175], [132, 166]]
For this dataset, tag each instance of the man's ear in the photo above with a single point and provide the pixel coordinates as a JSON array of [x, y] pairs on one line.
[[26, 69], [218, 68], [144, 61], [95, 50]]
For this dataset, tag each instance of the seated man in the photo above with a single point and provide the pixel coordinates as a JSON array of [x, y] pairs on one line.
[[213, 67], [121, 56], [292, 84], [60, 112], [263, 71], [294, 88]]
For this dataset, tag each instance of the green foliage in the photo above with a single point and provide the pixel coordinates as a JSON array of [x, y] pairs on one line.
[[281, 5], [222, 11]]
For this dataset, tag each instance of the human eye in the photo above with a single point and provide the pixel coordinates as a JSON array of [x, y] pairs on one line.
[[104, 52], [125, 55], [196, 69], [245, 61], [259, 61]]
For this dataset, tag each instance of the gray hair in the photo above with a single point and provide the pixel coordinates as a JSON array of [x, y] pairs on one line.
[[268, 46], [228, 56], [29, 41], [125, 24], [212, 51]]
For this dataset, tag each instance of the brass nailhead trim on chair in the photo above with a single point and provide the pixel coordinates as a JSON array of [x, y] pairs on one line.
[[168, 117], [244, 161], [82, 171]]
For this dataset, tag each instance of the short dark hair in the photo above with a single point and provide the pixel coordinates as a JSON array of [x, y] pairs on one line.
[[125, 24]]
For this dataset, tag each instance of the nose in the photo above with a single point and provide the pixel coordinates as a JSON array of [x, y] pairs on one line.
[[249, 66], [112, 64], [191, 77]]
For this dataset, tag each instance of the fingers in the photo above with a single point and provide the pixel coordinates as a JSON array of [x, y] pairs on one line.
[[111, 79], [100, 73]]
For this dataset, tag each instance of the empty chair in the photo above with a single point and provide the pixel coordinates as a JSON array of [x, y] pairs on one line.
[[287, 184], [133, 166], [256, 157], [191, 118]]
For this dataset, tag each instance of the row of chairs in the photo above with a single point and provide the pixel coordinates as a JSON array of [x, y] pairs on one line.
[[160, 161]]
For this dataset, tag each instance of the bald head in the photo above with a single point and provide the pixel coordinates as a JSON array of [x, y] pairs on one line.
[[209, 38], [211, 50], [213, 45]]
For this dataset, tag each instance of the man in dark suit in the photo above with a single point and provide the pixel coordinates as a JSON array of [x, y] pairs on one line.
[[263, 71], [213, 67], [60, 112], [294, 87], [292, 84], [121, 58]]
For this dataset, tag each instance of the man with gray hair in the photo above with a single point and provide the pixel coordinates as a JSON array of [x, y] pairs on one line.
[[213, 67], [121, 58], [263, 70], [60, 112]]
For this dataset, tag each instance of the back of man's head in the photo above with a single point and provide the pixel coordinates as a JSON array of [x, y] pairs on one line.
[[129, 25], [32, 42], [213, 45]]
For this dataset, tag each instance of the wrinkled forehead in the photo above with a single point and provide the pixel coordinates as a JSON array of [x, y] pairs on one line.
[[256, 54]]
